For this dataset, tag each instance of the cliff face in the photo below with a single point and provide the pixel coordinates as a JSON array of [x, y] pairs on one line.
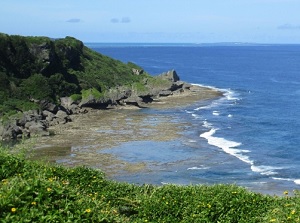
[[24, 56], [43, 81], [36, 68]]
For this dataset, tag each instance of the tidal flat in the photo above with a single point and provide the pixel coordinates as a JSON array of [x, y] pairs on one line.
[[93, 139]]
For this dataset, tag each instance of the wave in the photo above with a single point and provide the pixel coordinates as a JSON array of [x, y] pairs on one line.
[[265, 170], [198, 168], [230, 147], [296, 181], [207, 125], [226, 145], [196, 116], [229, 96], [216, 113]]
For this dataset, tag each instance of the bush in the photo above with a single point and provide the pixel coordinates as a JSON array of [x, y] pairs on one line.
[[37, 192], [37, 87]]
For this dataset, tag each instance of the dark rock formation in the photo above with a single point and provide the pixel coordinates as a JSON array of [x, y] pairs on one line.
[[37, 122], [34, 122]]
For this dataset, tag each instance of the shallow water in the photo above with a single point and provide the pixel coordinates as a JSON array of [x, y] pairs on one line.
[[249, 137]]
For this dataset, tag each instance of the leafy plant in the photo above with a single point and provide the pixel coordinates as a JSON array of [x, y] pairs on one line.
[[37, 192]]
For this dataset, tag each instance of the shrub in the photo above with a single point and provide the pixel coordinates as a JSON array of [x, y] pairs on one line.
[[37, 192]]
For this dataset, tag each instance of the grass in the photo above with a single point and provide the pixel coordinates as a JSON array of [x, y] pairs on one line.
[[38, 192]]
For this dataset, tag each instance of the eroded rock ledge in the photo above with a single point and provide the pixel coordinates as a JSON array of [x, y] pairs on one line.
[[37, 122]]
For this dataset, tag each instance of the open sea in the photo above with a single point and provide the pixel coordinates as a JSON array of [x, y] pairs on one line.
[[249, 137]]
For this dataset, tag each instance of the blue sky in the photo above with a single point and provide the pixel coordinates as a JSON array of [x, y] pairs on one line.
[[181, 21]]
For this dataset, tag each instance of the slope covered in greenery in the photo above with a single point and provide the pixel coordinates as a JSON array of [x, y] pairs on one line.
[[35, 68], [35, 192]]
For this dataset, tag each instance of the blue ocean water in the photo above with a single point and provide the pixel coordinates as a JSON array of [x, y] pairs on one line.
[[251, 135]]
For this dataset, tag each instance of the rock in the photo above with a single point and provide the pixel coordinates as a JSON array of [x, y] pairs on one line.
[[176, 85], [170, 76], [61, 114], [48, 106], [186, 86], [49, 116], [69, 105], [29, 116], [61, 117], [137, 71], [164, 93], [38, 129], [11, 131], [133, 100]]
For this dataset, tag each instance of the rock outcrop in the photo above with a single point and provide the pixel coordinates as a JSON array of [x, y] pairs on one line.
[[37, 122], [62, 77], [170, 76], [34, 122]]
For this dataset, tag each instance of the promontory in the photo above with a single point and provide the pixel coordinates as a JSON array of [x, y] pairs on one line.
[[44, 81]]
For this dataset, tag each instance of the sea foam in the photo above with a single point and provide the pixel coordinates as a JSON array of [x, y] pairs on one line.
[[227, 146], [265, 170], [297, 181]]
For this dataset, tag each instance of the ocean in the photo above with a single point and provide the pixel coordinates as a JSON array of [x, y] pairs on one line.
[[249, 137]]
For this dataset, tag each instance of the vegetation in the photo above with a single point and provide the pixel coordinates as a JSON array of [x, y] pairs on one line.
[[35, 68], [35, 192]]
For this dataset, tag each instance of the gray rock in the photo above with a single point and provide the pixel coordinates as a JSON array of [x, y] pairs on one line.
[[11, 131], [133, 100], [61, 117], [48, 106], [61, 114], [29, 116], [69, 105], [170, 76], [49, 116], [137, 71], [38, 129], [164, 93]]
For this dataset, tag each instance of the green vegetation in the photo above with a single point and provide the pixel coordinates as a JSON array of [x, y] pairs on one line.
[[36, 192], [35, 68]]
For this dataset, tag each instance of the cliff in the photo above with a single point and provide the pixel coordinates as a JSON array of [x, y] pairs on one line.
[[43, 81]]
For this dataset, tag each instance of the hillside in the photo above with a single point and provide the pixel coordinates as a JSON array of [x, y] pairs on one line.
[[43, 81], [36, 192], [35, 68]]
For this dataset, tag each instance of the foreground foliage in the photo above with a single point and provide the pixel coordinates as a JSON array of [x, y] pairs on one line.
[[36, 192]]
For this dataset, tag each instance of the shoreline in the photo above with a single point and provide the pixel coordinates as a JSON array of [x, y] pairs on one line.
[[79, 142]]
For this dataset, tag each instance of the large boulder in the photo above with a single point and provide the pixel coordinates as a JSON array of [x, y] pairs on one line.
[[11, 131], [61, 117], [170, 76], [29, 116], [48, 116], [37, 128], [48, 106]]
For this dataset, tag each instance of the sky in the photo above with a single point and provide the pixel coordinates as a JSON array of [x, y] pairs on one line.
[[155, 21]]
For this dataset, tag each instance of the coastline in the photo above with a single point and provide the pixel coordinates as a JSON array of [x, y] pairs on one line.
[[79, 142]]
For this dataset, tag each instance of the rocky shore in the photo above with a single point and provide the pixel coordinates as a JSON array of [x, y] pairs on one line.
[[39, 122], [84, 140]]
